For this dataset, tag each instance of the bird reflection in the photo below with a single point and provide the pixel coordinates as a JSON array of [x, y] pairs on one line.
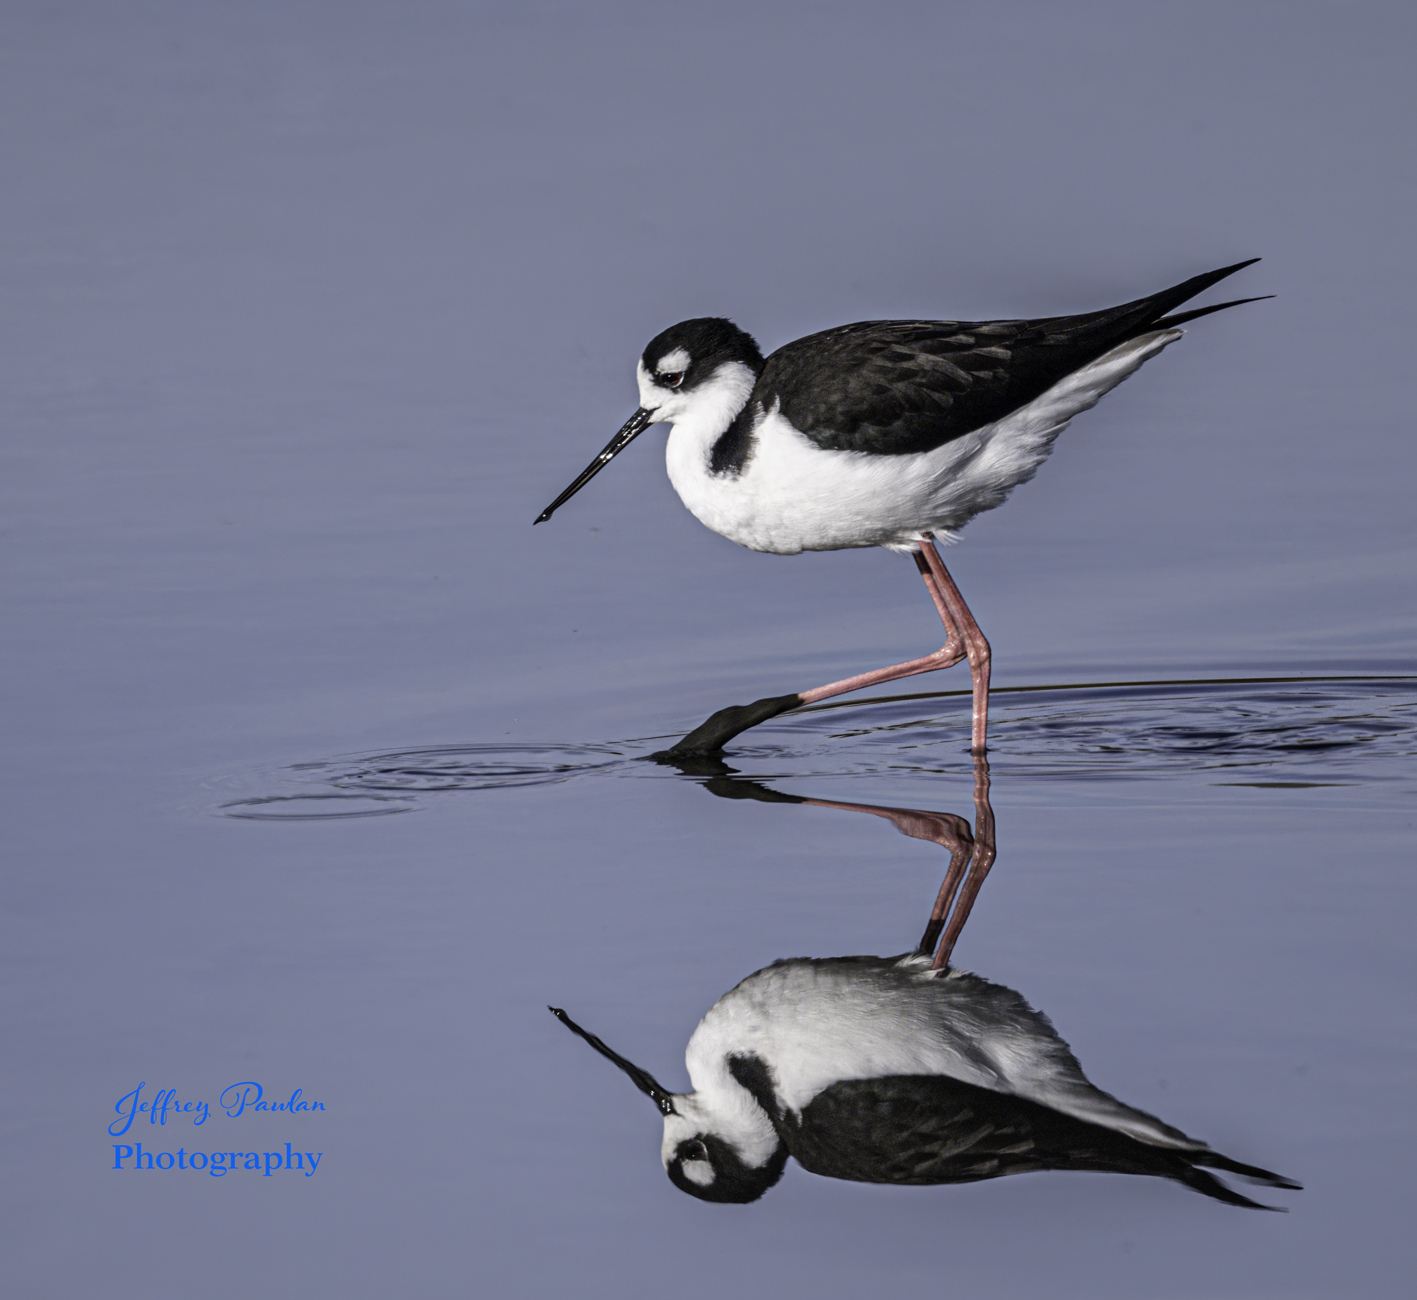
[[902, 1070]]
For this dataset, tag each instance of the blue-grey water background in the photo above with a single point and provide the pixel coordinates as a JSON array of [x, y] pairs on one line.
[[310, 307]]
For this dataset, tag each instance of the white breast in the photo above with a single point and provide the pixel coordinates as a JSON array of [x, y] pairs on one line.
[[792, 496], [819, 1022]]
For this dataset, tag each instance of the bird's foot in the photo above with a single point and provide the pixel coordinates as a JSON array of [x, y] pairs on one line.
[[711, 736]]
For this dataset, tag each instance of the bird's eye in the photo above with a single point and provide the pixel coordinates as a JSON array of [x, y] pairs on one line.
[[694, 1151], [667, 380]]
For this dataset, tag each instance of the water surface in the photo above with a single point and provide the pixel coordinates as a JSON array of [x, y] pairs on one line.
[[326, 770]]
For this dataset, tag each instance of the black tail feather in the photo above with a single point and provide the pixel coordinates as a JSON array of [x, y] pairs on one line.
[[1161, 303], [1214, 1160], [1097, 332], [1208, 1185], [1170, 322]]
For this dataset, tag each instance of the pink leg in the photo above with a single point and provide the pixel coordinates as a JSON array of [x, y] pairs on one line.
[[951, 833], [975, 645], [948, 655], [960, 855], [972, 851], [980, 861], [963, 639], [953, 640]]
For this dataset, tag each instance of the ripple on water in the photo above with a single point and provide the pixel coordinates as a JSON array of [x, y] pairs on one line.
[[314, 807], [1308, 732], [1287, 734], [467, 767]]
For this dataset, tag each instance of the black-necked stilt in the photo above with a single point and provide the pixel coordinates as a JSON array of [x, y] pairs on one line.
[[882, 1070], [882, 433], [899, 1069]]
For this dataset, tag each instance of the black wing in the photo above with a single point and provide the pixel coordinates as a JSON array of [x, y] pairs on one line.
[[894, 387], [916, 1130]]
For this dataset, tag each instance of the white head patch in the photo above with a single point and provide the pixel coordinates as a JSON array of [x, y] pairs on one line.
[[698, 1172], [671, 363]]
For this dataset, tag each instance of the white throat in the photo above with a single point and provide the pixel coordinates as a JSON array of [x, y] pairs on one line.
[[702, 415], [728, 1112], [700, 418]]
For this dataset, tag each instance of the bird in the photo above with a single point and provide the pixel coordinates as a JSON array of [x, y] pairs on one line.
[[886, 1070], [891, 433], [906, 1069]]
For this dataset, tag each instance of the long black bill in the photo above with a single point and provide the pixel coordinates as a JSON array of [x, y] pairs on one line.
[[634, 426], [644, 1082]]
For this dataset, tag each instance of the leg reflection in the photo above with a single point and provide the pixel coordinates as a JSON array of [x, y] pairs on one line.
[[985, 851], [972, 850]]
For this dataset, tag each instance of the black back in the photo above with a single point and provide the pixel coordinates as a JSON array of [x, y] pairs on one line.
[[925, 1129], [897, 387]]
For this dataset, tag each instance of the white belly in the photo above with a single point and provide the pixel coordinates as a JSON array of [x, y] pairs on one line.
[[792, 496], [818, 1022]]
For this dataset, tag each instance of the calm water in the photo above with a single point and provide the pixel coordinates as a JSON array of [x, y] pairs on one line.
[[327, 772]]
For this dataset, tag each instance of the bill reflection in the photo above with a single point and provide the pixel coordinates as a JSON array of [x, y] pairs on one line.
[[903, 1069]]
